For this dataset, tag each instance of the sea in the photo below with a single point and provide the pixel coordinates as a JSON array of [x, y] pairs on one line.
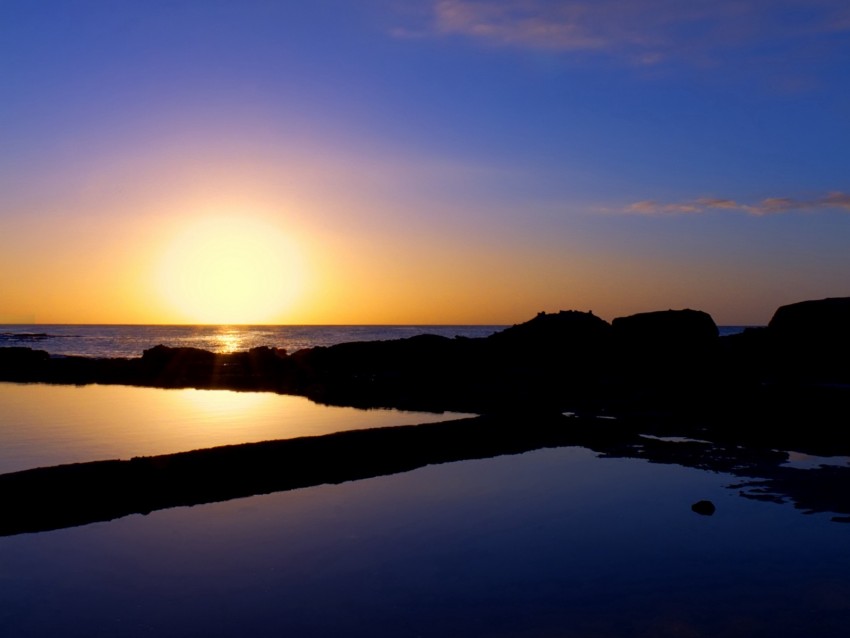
[[559, 541], [109, 341]]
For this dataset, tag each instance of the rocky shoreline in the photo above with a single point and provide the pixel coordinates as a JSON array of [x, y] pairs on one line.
[[741, 401], [667, 362]]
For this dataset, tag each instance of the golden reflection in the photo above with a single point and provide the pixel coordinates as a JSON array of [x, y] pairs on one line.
[[226, 403], [48, 425], [229, 340]]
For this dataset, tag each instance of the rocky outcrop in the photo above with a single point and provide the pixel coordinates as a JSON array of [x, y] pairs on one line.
[[260, 368], [814, 321], [568, 332], [665, 357], [810, 341], [668, 344], [805, 344], [669, 360], [23, 361], [667, 331]]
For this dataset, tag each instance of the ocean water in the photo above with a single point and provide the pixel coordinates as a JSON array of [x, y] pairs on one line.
[[132, 340]]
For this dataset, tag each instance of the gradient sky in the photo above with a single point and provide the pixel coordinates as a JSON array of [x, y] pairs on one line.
[[445, 161]]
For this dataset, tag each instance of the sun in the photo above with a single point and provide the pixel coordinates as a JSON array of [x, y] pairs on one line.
[[230, 270]]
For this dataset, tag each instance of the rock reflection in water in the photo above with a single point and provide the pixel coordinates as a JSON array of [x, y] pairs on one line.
[[70, 495]]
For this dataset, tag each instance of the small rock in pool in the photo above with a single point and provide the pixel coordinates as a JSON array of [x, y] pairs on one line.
[[705, 508]]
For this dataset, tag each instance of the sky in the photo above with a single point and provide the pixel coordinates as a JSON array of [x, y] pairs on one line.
[[420, 162]]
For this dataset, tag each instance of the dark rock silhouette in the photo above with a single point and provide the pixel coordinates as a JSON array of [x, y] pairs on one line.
[[661, 363], [667, 357], [563, 333], [666, 330], [666, 343], [261, 368], [804, 343], [23, 361], [810, 341], [422, 372], [549, 361], [704, 508], [820, 320]]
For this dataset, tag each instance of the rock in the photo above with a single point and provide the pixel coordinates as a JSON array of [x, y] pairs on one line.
[[664, 350], [553, 358], [565, 342], [666, 329], [810, 341], [163, 355], [22, 364], [824, 319], [704, 508], [569, 328]]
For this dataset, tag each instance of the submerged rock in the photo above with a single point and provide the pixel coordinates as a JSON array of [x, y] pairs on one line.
[[704, 508]]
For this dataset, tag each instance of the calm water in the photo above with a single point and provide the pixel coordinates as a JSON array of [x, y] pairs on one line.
[[549, 543], [49, 425], [555, 542]]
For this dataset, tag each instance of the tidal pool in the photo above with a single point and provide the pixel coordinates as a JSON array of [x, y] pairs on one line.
[[554, 542], [44, 424]]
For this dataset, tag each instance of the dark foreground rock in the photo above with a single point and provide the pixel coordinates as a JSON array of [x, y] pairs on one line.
[[667, 331], [826, 320], [810, 341]]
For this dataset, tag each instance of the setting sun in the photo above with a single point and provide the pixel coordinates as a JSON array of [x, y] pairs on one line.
[[230, 270]]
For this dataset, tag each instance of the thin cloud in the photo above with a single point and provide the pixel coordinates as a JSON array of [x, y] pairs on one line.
[[767, 206], [639, 32], [650, 207], [520, 23], [837, 200]]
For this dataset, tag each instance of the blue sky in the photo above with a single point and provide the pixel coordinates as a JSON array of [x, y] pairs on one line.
[[474, 161]]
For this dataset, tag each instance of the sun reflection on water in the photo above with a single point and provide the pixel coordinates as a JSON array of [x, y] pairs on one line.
[[45, 425], [230, 340], [225, 405]]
